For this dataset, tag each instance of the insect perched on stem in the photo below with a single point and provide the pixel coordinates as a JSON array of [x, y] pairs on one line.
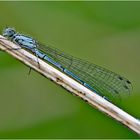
[[104, 82]]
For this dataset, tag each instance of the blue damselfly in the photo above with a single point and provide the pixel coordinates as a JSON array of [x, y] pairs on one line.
[[104, 82]]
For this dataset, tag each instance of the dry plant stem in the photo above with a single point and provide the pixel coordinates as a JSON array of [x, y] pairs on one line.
[[71, 85]]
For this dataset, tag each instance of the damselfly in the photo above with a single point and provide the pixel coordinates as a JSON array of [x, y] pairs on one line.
[[104, 82]]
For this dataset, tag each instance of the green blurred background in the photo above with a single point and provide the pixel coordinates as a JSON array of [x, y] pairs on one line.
[[105, 33]]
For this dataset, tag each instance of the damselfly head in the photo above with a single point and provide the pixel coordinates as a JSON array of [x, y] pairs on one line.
[[9, 32]]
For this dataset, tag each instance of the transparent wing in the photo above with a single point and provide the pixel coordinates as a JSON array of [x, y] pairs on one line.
[[102, 80]]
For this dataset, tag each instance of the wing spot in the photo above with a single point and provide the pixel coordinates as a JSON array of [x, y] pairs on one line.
[[126, 87], [128, 82], [120, 78]]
